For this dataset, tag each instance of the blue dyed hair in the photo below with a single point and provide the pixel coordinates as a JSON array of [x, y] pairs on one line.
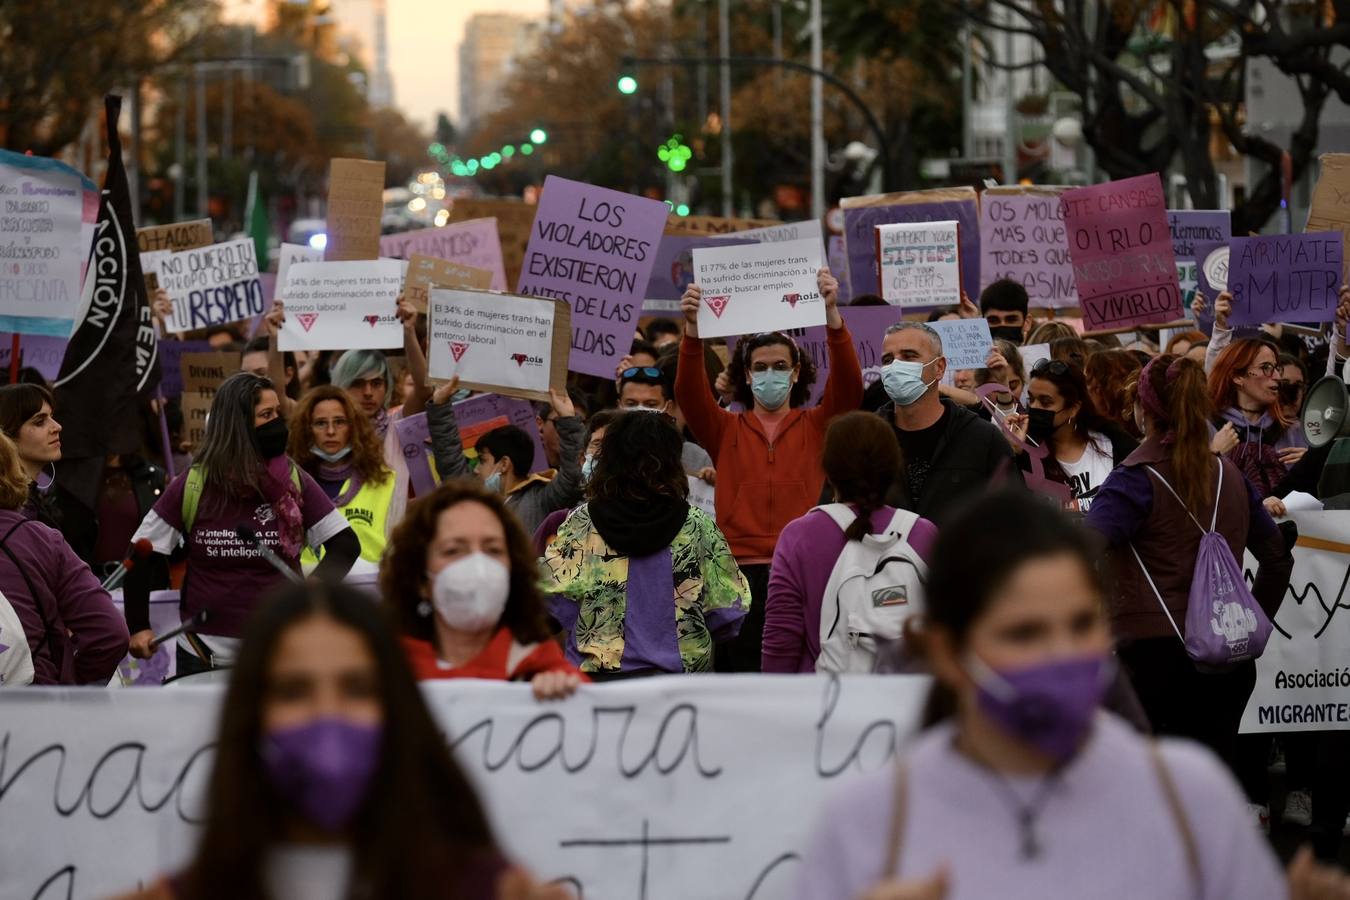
[[356, 364]]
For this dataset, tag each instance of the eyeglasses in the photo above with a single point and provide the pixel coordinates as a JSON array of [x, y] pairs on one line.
[[1267, 370], [330, 424], [1055, 367], [648, 371]]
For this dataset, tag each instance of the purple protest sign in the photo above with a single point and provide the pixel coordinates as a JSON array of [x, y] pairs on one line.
[[171, 363], [673, 270], [1022, 237], [37, 351], [473, 243], [863, 214], [475, 417], [866, 324], [1122, 253], [1285, 277], [594, 248], [1192, 227], [836, 257]]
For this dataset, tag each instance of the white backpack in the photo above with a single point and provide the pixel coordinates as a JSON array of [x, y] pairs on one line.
[[876, 584], [16, 661]]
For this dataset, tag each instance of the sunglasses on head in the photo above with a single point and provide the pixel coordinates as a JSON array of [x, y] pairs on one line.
[[648, 371], [1056, 367]]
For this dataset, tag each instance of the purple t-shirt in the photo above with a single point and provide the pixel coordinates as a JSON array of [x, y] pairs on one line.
[[225, 576], [802, 562]]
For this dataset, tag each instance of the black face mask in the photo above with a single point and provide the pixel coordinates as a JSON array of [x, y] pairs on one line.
[[1010, 333], [1040, 424], [272, 437]]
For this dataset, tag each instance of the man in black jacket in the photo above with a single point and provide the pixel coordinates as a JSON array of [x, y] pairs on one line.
[[948, 452]]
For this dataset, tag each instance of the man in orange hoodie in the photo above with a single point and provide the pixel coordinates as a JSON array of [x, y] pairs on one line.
[[768, 457]]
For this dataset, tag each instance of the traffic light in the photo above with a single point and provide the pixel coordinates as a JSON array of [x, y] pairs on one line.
[[508, 151], [627, 84], [675, 153], [539, 136], [526, 149]]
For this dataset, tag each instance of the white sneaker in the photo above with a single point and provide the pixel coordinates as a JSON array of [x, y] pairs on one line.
[[1260, 814], [1298, 808]]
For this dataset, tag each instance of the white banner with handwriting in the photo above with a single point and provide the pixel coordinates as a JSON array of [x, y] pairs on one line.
[[672, 788]]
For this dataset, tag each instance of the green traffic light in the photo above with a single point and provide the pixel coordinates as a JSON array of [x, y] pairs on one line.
[[526, 149], [627, 84], [682, 209], [508, 151], [539, 136]]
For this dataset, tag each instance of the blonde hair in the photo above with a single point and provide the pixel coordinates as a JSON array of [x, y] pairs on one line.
[[13, 479]]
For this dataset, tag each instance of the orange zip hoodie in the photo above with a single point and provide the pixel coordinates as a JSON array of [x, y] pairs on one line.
[[761, 486]]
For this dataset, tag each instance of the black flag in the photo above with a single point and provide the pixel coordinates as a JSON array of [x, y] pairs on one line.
[[112, 359]]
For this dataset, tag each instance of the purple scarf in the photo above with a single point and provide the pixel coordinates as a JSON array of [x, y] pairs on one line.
[[338, 473], [280, 491]]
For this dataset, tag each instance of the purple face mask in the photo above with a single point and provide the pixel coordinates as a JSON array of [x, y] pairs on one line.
[[323, 768], [1048, 706]]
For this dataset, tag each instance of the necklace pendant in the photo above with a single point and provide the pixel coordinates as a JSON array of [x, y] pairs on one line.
[[1031, 845]]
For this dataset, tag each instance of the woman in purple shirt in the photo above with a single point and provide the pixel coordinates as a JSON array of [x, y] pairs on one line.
[[860, 460], [1021, 787]]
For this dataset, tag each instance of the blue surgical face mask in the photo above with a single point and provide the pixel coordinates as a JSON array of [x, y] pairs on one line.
[[903, 381], [493, 482], [588, 467], [771, 387], [332, 457]]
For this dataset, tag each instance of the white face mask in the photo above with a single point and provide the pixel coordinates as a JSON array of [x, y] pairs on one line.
[[470, 593]]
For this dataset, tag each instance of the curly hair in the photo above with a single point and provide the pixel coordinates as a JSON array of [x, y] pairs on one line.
[[738, 368], [639, 460], [403, 578], [367, 453]]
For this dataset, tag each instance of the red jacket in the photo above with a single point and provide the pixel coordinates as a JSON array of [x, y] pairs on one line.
[[501, 660], [761, 486]]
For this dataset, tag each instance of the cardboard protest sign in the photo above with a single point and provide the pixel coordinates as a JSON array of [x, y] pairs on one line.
[[177, 237], [1331, 198], [920, 264], [863, 214], [594, 248], [426, 272], [673, 270], [965, 342], [46, 228], [212, 285], [514, 221], [697, 225], [290, 254], [788, 231], [475, 417], [355, 207], [759, 287], [202, 375], [504, 343], [348, 305], [1285, 277], [1122, 253], [474, 244], [171, 363], [1022, 238]]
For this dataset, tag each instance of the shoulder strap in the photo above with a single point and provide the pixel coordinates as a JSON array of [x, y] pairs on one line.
[[899, 802], [192, 497], [1183, 502], [1167, 612], [840, 513], [1218, 492], [1178, 811]]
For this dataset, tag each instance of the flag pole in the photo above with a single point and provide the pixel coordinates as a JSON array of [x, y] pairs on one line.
[[15, 349]]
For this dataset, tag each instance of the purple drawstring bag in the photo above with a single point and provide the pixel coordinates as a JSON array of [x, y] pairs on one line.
[[1224, 623]]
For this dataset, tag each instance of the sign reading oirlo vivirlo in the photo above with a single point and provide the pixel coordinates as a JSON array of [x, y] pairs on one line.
[[594, 248], [347, 305], [512, 345], [1122, 255], [759, 287], [920, 263], [212, 285]]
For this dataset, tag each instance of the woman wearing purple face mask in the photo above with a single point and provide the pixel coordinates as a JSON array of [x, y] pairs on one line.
[[1022, 788], [331, 780]]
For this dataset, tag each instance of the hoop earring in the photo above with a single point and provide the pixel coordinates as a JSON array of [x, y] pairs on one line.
[[49, 481]]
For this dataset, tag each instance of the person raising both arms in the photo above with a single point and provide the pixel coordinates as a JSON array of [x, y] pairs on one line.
[[768, 457]]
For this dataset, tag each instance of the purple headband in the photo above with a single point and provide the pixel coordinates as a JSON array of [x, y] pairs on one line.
[[1148, 398]]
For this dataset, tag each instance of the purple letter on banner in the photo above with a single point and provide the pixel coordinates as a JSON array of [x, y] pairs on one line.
[[1285, 277], [594, 248], [860, 237], [1122, 253], [473, 243], [1022, 238]]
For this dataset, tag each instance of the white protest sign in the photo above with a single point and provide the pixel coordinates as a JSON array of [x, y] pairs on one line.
[[212, 285], [1302, 679], [759, 287], [702, 495], [289, 254], [1215, 268], [43, 243], [498, 342], [920, 263], [774, 234], [347, 305], [152, 261], [676, 783], [965, 342]]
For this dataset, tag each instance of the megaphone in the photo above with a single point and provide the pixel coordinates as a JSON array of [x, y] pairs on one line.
[[1325, 412]]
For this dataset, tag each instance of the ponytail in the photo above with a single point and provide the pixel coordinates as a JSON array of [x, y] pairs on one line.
[[1181, 386], [861, 527]]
